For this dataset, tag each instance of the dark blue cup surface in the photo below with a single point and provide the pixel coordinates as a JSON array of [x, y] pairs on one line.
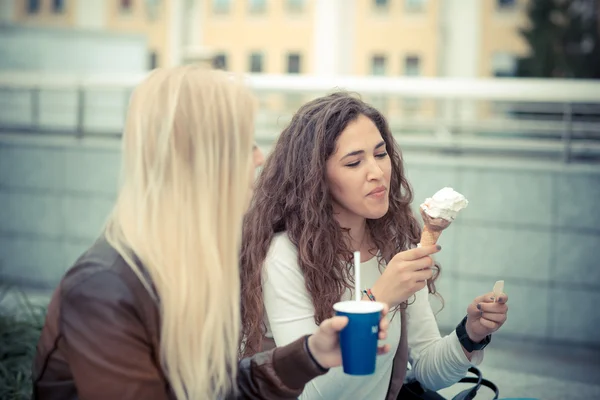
[[358, 340]]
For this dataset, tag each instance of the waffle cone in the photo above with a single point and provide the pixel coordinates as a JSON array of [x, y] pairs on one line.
[[428, 237]]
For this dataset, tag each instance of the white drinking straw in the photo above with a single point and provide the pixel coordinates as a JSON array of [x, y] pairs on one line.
[[357, 291]]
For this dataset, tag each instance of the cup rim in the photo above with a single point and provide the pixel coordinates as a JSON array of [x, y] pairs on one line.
[[358, 307]]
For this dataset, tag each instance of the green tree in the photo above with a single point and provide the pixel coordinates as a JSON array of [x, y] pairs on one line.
[[563, 38]]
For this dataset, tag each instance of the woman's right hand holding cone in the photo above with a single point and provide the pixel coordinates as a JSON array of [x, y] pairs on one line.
[[405, 274]]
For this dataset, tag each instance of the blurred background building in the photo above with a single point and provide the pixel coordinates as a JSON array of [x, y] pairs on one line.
[[499, 99], [468, 38]]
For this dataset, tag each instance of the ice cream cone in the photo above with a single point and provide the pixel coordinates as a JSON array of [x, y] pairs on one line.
[[429, 237], [438, 212]]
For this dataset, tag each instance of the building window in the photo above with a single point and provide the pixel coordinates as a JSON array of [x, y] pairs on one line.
[[126, 5], [381, 4], [33, 6], [293, 63], [58, 6], [505, 4], [221, 6], [414, 5], [412, 66], [256, 62], [295, 6], [153, 9], [257, 6], [378, 65], [153, 60], [220, 61], [504, 65]]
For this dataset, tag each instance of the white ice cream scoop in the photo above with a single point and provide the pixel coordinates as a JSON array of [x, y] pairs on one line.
[[438, 212], [445, 204]]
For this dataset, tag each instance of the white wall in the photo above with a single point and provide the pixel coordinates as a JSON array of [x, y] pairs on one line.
[[460, 38], [333, 37], [91, 14], [533, 224], [71, 50], [177, 18]]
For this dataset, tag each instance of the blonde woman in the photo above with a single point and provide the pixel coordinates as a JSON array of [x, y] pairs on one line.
[[151, 310]]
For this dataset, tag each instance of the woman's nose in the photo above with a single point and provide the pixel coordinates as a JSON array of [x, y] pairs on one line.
[[375, 172]]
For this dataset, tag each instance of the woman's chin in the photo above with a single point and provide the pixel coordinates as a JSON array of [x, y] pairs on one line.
[[376, 213]]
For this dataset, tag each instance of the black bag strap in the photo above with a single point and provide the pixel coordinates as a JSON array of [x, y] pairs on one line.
[[479, 381]]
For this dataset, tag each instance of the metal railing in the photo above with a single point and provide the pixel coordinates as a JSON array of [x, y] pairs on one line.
[[556, 119]]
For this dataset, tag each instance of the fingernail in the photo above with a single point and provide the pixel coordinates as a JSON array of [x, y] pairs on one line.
[[439, 247], [481, 313], [500, 299], [492, 298], [479, 306]]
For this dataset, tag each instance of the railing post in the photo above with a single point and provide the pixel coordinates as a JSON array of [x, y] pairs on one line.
[[456, 117], [126, 97], [80, 112], [35, 108], [567, 135]]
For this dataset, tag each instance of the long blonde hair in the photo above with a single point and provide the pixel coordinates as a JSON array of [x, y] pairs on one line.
[[187, 148]]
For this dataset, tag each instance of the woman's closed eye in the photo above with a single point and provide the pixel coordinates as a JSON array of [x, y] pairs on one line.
[[356, 163]]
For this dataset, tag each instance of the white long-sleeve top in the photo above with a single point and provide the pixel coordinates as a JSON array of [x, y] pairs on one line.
[[437, 362]]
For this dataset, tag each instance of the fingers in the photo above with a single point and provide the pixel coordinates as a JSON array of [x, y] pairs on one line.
[[419, 286], [384, 323], [383, 328], [473, 311], [486, 298], [385, 311], [334, 324], [490, 315], [415, 265], [490, 321], [493, 308], [493, 317], [418, 252], [424, 275], [383, 349], [503, 298], [491, 325], [422, 263], [490, 297]]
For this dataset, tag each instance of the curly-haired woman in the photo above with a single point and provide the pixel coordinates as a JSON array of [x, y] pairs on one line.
[[334, 184]]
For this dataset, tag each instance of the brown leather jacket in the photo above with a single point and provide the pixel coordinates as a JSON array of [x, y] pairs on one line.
[[101, 341]]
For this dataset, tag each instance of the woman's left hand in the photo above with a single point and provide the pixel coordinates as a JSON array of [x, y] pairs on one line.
[[484, 316]]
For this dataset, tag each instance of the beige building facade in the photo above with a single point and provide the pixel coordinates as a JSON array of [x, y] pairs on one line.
[[395, 38], [259, 36], [368, 37], [151, 18], [299, 36], [460, 38]]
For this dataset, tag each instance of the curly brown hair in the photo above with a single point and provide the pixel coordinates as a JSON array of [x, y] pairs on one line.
[[292, 195]]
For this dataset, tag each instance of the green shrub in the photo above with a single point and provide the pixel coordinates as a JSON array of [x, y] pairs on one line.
[[20, 328]]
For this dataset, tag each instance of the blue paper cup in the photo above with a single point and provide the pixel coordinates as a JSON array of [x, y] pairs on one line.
[[358, 340]]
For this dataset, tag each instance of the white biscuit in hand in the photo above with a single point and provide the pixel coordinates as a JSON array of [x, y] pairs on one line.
[[498, 290]]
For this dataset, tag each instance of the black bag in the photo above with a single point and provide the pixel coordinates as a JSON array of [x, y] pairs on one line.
[[414, 390]]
